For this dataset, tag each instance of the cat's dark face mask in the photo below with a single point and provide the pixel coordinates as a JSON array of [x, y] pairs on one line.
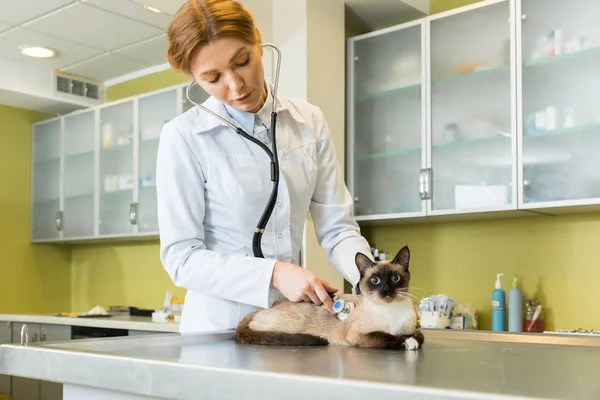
[[385, 280]]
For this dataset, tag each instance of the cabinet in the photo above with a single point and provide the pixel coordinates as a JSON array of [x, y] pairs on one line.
[[93, 170], [490, 107], [559, 58], [32, 389], [5, 337]]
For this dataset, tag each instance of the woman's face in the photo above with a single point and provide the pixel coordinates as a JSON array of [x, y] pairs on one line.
[[231, 70]]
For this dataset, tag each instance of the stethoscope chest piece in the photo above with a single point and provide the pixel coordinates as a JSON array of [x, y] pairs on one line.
[[342, 308]]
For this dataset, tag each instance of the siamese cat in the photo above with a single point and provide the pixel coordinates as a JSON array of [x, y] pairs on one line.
[[383, 317]]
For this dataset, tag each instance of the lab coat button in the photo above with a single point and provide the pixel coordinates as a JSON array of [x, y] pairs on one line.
[[278, 204], [280, 236]]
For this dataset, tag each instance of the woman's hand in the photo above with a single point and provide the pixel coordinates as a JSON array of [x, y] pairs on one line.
[[298, 284]]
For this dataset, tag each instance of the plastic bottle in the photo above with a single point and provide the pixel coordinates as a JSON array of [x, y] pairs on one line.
[[515, 308], [498, 306]]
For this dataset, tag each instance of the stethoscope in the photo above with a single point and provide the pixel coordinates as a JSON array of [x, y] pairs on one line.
[[262, 223]]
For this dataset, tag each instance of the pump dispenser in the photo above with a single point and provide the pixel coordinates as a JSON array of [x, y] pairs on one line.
[[515, 308], [498, 306]]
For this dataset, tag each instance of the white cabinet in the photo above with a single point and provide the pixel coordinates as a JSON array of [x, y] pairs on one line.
[[490, 107], [33, 389], [559, 62], [46, 180], [5, 338], [93, 171]]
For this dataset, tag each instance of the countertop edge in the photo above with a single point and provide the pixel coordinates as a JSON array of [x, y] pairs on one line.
[[116, 322]]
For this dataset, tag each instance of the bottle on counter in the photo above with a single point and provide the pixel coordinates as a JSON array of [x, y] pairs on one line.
[[515, 308], [498, 306]]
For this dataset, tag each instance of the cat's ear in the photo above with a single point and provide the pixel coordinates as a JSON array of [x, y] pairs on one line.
[[363, 263], [403, 258]]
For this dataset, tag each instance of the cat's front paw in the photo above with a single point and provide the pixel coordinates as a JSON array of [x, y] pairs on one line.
[[411, 344]]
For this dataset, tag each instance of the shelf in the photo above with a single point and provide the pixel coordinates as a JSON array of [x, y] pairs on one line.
[[79, 196], [460, 77], [381, 155], [150, 140], [115, 192], [48, 200], [117, 147], [153, 186], [445, 146], [389, 92], [562, 131], [469, 143], [84, 153], [562, 57], [47, 160]]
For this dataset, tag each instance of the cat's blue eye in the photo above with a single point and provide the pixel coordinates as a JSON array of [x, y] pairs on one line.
[[395, 278], [375, 280]]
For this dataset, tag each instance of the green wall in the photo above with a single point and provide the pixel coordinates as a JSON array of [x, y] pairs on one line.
[[33, 278], [436, 6]]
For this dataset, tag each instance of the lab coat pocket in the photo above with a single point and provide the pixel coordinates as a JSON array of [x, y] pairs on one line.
[[251, 185], [300, 163]]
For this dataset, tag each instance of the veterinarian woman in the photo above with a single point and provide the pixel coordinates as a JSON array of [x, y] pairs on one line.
[[213, 184]]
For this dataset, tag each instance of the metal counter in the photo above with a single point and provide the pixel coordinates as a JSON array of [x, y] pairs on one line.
[[213, 366]]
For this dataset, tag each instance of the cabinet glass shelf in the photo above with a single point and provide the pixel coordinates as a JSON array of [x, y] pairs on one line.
[[82, 154], [47, 160], [468, 75], [562, 57], [116, 192], [563, 131], [389, 92], [79, 196], [47, 200], [118, 147], [152, 186], [450, 145]]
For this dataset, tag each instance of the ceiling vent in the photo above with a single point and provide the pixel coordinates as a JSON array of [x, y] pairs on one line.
[[74, 86]]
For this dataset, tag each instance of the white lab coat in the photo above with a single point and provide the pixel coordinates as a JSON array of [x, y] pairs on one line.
[[212, 187]]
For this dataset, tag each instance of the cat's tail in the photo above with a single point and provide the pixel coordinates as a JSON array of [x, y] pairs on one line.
[[245, 335]]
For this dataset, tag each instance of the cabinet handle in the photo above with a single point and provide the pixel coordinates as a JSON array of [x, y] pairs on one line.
[[133, 213], [59, 221], [424, 179], [24, 335], [42, 337]]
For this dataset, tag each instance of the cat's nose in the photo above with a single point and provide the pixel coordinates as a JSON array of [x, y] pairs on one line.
[[386, 290]]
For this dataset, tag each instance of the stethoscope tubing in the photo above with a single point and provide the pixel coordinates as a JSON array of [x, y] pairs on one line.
[[268, 211]]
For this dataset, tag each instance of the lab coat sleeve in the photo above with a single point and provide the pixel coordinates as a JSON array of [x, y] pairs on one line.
[[181, 209], [337, 232]]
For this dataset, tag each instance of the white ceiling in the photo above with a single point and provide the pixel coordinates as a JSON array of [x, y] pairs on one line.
[[98, 39], [106, 39]]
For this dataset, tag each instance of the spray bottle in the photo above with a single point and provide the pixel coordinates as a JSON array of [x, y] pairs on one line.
[[515, 308], [498, 306]]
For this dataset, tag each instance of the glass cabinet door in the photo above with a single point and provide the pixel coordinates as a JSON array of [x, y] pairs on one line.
[[45, 190], [196, 93], [560, 73], [472, 128], [116, 169], [386, 122], [79, 184], [154, 112]]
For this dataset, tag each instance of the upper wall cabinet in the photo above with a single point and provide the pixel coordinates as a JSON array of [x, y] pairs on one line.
[[93, 171], [559, 59], [491, 107], [471, 117], [387, 121], [46, 180]]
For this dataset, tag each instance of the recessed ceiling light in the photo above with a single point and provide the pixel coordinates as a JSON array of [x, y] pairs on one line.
[[152, 9], [37, 51]]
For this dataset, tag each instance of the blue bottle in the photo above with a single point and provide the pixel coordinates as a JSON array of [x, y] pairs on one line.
[[498, 307], [515, 308]]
